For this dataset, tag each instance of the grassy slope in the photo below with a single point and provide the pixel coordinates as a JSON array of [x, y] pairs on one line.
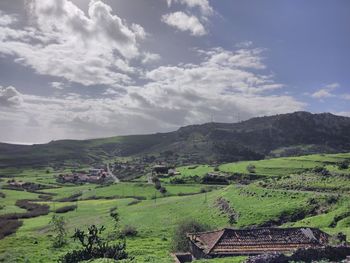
[[285, 166], [156, 219]]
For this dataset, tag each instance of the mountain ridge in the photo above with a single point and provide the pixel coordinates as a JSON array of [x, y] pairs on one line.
[[255, 138]]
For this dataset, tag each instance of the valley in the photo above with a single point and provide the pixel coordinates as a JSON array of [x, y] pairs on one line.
[[307, 191]]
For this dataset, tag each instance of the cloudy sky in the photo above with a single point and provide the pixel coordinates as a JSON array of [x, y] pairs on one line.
[[83, 69]]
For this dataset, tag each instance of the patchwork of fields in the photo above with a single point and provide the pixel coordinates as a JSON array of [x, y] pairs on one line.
[[285, 192]]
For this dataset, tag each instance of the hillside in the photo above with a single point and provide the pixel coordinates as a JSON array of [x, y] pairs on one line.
[[280, 135], [284, 192]]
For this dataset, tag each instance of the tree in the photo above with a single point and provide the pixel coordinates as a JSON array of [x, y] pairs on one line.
[[116, 219], [58, 224], [94, 246], [180, 241], [157, 185]]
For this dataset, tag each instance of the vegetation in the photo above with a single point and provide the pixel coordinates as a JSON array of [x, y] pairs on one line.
[[58, 224], [282, 192], [179, 240], [65, 209], [94, 246], [280, 135]]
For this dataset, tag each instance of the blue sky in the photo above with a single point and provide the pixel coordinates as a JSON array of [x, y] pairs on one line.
[[83, 69]]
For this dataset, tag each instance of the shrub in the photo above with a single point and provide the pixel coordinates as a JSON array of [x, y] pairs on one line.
[[214, 179], [58, 226], [129, 231], [343, 165], [94, 246], [72, 198], [251, 168], [162, 190], [157, 185], [321, 170], [180, 240], [65, 209], [2, 195]]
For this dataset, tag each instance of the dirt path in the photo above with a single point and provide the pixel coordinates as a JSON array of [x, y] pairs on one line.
[[116, 179]]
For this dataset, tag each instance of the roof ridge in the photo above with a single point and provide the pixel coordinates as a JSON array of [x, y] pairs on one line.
[[217, 240]]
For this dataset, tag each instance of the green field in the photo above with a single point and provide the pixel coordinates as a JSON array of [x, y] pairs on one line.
[[289, 187]]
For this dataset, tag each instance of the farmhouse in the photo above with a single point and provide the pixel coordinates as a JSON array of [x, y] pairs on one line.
[[232, 242]]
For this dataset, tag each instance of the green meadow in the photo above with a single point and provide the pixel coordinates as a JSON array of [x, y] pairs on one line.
[[287, 187]]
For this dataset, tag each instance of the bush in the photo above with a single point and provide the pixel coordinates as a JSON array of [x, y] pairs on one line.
[[2, 195], [129, 231], [180, 241], [157, 185], [72, 198], [251, 168], [94, 246], [343, 165], [214, 179], [65, 209], [162, 190], [321, 170], [58, 226]]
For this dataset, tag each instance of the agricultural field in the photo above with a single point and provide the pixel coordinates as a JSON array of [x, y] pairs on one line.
[[289, 192]]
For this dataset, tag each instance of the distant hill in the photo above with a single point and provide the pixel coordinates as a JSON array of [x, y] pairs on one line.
[[280, 135]]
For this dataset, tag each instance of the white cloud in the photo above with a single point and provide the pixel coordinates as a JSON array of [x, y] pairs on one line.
[[6, 19], [57, 85], [150, 58], [325, 92], [185, 22], [89, 49], [221, 85], [203, 5], [10, 97]]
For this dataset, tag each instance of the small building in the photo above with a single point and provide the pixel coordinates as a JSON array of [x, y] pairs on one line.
[[246, 242]]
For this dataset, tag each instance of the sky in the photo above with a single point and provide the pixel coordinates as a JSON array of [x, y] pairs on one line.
[[78, 69]]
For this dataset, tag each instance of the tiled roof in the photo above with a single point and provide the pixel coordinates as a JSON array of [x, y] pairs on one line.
[[238, 241]]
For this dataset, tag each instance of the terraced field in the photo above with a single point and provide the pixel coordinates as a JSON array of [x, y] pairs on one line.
[[288, 193]]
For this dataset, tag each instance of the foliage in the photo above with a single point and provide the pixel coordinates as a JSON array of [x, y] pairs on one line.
[[162, 190], [214, 179], [58, 224], [343, 165], [180, 240], [116, 219], [128, 231], [65, 209], [94, 246], [251, 168]]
